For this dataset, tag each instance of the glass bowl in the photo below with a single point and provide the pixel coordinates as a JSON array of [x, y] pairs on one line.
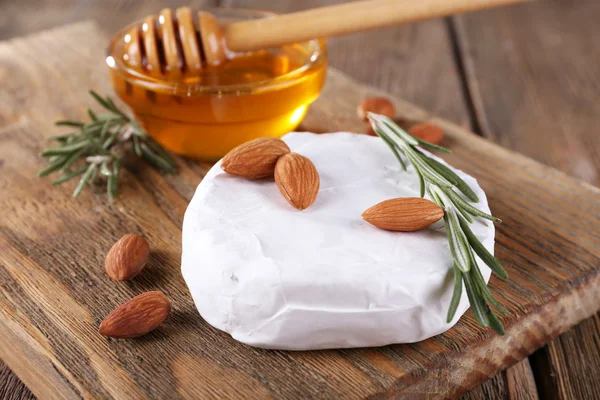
[[258, 94]]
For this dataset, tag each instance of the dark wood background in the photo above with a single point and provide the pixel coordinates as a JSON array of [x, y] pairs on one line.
[[526, 77]]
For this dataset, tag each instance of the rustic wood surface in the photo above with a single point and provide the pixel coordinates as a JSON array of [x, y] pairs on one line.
[[535, 89], [415, 61], [52, 251]]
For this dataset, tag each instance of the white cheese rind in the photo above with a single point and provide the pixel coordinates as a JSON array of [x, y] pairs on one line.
[[279, 278]]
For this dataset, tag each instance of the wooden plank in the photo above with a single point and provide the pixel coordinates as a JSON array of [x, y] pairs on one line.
[[411, 61], [47, 270], [20, 18], [568, 367], [534, 90], [535, 86], [11, 387], [517, 383]]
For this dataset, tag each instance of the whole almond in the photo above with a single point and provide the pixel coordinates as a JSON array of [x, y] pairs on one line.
[[255, 159], [127, 257], [427, 132], [403, 214], [137, 316], [377, 105], [297, 180]]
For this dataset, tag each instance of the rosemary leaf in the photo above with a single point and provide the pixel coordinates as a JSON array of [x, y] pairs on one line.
[[465, 215], [496, 324], [55, 165], [104, 130], [69, 176], [113, 180], [431, 146], [456, 294], [436, 198], [154, 159], [484, 290], [61, 138], [482, 252], [477, 305], [94, 176], [421, 184], [153, 144], [69, 123], [102, 101], [89, 133], [423, 171], [391, 146], [56, 151], [137, 149], [116, 110], [137, 130], [460, 202], [436, 166], [426, 170], [457, 241], [410, 139], [84, 179], [71, 159], [92, 115], [452, 177], [110, 141], [104, 169]]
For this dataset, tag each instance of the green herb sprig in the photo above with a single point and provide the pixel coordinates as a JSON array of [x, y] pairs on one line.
[[449, 191], [101, 143]]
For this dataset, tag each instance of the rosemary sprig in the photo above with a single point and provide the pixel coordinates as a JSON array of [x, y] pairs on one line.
[[101, 143], [447, 189]]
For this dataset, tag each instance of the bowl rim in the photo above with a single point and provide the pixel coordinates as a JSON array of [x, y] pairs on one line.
[[117, 65]]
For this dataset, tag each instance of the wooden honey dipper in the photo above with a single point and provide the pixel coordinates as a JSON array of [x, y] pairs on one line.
[[172, 43]]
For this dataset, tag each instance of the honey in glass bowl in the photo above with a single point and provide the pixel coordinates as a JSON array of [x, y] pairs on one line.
[[204, 114]]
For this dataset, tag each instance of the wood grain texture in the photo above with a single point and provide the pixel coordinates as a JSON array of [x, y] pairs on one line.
[[53, 291], [394, 60], [389, 51], [568, 367], [12, 388], [516, 383], [22, 17], [535, 88]]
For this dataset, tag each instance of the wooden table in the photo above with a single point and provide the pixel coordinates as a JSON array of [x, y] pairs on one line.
[[527, 71]]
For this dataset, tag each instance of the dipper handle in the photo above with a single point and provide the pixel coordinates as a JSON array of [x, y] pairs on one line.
[[342, 19]]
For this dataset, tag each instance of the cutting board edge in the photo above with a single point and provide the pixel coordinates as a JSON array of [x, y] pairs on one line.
[[579, 291], [527, 335], [521, 340]]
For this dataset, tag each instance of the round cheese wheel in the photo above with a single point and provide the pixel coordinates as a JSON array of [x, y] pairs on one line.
[[275, 277]]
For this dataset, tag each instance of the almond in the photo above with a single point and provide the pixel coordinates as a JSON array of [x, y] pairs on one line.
[[255, 159], [136, 317], [297, 180], [127, 257], [427, 132], [377, 105], [404, 214]]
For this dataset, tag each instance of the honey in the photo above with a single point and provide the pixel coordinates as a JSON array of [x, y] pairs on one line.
[[204, 114]]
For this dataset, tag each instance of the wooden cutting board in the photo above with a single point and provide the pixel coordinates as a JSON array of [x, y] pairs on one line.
[[54, 292]]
